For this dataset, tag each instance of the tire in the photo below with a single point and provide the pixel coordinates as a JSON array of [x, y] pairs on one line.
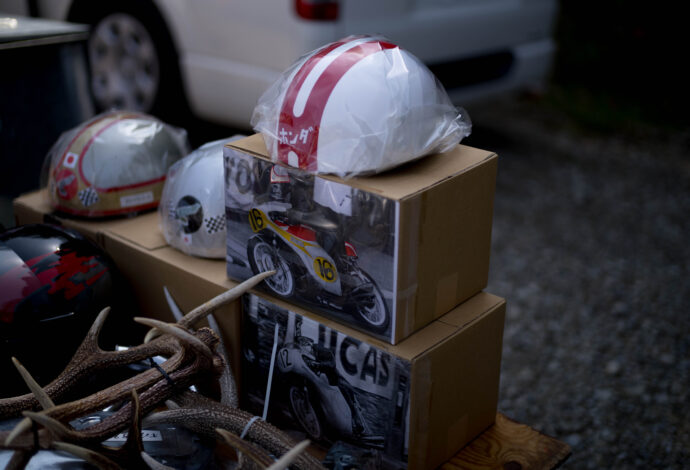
[[263, 256], [370, 307], [304, 412], [134, 64]]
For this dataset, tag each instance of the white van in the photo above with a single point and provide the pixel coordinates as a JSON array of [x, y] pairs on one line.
[[220, 55]]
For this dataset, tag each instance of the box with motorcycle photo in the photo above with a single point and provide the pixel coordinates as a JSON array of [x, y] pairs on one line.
[[383, 253], [412, 405]]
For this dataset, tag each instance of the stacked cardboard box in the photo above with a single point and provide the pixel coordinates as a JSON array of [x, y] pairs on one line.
[[382, 336], [427, 383], [421, 234]]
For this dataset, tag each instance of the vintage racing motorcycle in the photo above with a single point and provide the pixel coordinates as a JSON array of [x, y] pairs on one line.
[[288, 241], [322, 402]]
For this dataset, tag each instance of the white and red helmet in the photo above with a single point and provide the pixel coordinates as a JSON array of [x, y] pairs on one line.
[[113, 164], [360, 105]]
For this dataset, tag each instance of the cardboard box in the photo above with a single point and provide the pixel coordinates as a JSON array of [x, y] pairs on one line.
[[386, 254], [417, 402], [148, 263], [450, 367]]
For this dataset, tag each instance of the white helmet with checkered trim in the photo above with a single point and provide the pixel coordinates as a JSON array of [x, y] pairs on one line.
[[113, 164], [192, 209], [357, 106]]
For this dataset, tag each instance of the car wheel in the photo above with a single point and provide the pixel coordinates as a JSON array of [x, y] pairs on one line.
[[133, 61]]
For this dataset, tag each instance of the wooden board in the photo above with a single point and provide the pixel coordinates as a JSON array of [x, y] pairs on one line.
[[508, 445]]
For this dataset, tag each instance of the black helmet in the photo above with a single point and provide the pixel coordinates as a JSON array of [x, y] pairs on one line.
[[53, 284]]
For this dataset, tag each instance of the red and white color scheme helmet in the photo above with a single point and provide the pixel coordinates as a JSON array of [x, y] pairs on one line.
[[357, 106], [113, 164]]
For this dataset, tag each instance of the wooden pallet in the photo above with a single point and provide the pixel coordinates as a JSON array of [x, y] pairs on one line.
[[509, 445]]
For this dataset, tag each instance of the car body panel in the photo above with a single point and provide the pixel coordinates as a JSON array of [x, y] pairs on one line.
[[230, 52]]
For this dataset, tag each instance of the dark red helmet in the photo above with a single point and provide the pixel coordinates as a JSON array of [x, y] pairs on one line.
[[53, 284]]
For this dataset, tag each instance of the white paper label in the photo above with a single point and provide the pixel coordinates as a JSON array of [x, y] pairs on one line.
[[147, 435], [136, 199]]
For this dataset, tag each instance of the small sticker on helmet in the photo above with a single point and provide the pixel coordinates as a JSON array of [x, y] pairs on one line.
[[88, 196], [70, 160], [136, 199]]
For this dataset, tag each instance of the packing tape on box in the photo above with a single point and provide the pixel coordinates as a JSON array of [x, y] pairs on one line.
[[405, 307], [446, 288], [409, 236], [422, 397]]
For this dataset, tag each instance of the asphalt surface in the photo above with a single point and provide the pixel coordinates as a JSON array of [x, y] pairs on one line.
[[591, 250]]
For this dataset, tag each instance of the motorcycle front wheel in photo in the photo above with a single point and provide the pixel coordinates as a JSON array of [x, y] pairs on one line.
[[263, 256], [304, 412], [369, 305]]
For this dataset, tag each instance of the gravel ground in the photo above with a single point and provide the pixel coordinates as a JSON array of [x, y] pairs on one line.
[[590, 249]]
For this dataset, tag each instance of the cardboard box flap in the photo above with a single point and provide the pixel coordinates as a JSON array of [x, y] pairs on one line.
[[467, 313], [398, 183], [461, 317], [253, 145]]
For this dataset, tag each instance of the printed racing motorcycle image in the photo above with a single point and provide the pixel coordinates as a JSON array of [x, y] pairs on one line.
[[293, 244], [321, 401]]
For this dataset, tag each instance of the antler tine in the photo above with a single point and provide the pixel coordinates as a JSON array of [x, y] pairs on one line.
[[90, 341], [40, 394], [153, 463], [204, 309], [228, 386], [17, 431], [174, 330], [134, 442], [93, 457], [59, 430], [256, 454], [290, 456], [20, 459], [43, 399]]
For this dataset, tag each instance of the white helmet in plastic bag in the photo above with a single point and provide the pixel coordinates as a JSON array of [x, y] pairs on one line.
[[360, 105], [113, 164], [192, 209]]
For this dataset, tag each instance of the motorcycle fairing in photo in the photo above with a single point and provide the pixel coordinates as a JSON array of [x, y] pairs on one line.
[[333, 246], [327, 386]]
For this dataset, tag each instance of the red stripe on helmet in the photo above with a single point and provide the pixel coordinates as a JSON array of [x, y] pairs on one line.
[[300, 134]]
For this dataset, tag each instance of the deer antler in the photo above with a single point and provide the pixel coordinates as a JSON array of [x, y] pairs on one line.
[[258, 455], [182, 370], [191, 354], [203, 416], [203, 310], [89, 359]]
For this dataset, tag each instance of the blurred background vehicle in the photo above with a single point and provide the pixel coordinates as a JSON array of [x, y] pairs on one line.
[[215, 58]]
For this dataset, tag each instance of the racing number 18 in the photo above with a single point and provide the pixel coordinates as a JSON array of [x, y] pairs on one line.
[[256, 220], [324, 269]]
